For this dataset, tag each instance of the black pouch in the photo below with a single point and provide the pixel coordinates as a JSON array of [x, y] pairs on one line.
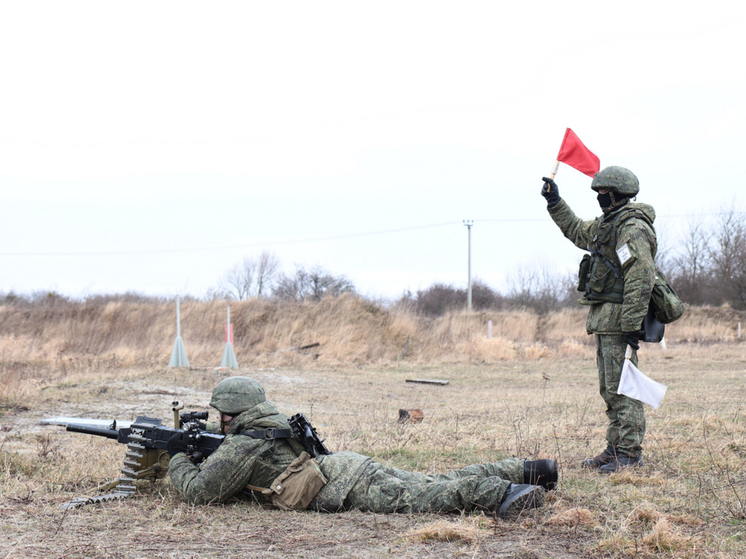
[[653, 328]]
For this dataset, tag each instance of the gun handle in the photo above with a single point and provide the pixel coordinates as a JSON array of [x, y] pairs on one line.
[[177, 406]]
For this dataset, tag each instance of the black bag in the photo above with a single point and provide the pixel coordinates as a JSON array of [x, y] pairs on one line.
[[654, 330]]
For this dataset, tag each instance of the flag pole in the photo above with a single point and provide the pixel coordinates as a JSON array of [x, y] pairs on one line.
[[556, 167]]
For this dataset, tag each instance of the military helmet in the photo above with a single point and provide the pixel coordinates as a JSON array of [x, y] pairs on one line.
[[618, 180], [234, 395]]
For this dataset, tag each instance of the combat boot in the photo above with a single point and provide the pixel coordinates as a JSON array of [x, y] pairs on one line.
[[541, 472], [519, 498], [622, 461], [602, 459]]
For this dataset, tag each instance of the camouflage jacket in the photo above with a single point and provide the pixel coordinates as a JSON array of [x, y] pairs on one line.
[[632, 251], [241, 460]]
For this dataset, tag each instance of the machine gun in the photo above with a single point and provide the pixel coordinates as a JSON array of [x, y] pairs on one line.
[[147, 456]]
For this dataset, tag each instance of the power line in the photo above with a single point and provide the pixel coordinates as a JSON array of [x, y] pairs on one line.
[[223, 247], [313, 240]]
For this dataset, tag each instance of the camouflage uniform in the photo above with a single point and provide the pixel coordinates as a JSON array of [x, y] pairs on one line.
[[355, 481], [625, 237]]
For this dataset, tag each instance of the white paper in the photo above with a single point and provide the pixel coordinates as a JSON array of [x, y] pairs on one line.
[[623, 253], [638, 386]]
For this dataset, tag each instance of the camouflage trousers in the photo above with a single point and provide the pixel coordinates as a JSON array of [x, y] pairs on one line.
[[626, 428], [478, 487]]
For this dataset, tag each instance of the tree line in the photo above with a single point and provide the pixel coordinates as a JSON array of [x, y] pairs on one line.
[[707, 267], [260, 277]]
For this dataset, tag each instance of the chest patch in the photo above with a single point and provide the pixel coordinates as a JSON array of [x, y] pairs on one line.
[[623, 253]]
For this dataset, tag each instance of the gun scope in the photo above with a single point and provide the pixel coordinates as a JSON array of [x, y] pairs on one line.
[[193, 416]]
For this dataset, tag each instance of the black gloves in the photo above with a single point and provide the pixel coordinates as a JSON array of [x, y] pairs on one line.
[[633, 338], [550, 192], [178, 443]]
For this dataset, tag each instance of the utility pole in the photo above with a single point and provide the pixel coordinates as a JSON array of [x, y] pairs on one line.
[[469, 223]]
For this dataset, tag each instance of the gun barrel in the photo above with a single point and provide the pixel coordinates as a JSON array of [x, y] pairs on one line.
[[90, 430]]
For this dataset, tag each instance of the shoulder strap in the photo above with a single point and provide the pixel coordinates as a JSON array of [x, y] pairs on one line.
[[269, 434], [613, 267], [623, 215]]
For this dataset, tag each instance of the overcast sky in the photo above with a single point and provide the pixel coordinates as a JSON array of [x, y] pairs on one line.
[[150, 146]]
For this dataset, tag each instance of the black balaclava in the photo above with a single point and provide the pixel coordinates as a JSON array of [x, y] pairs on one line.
[[608, 203]]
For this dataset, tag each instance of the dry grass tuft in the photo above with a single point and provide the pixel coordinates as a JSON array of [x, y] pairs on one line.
[[446, 531], [685, 520], [637, 478], [574, 517], [645, 514], [570, 348], [536, 352], [9, 380], [620, 543], [661, 537], [485, 350], [664, 537]]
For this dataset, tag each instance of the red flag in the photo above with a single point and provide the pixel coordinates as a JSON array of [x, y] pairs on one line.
[[576, 155]]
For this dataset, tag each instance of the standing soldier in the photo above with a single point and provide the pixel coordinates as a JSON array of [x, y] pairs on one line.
[[617, 276]]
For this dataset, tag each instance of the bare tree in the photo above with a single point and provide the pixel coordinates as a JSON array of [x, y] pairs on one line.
[[251, 277], [289, 288], [689, 272], [537, 287], [440, 298], [728, 256], [664, 255], [314, 284], [266, 272], [238, 281], [484, 297]]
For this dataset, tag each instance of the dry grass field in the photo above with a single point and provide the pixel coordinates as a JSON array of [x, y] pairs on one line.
[[530, 391]]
